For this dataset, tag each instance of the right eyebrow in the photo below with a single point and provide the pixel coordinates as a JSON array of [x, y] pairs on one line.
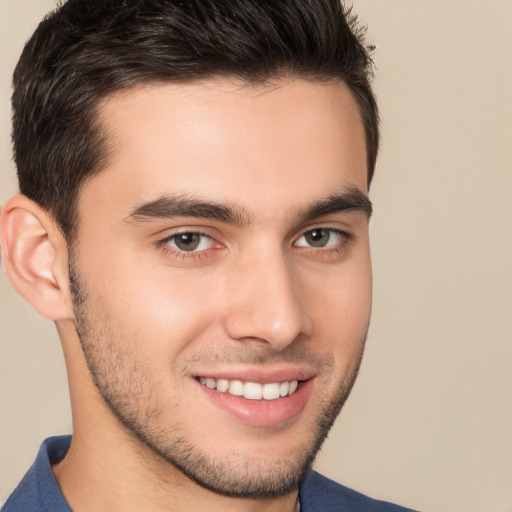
[[169, 207]]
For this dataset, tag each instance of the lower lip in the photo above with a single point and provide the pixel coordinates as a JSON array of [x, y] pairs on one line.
[[261, 413]]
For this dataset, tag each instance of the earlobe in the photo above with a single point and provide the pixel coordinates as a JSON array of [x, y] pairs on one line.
[[34, 254]]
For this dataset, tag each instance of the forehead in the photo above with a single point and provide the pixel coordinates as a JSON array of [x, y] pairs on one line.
[[280, 144]]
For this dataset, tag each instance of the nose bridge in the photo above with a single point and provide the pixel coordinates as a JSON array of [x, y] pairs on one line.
[[265, 301]]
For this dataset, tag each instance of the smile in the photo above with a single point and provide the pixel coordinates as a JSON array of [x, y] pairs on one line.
[[251, 390]]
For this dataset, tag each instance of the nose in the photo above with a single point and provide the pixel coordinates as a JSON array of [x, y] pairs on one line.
[[265, 302]]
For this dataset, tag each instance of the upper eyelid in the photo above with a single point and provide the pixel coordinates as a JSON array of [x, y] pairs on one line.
[[165, 234], [186, 232], [327, 223], [339, 230], [346, 235], [203, 232]]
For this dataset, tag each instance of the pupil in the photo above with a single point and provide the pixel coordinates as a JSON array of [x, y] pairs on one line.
[[187, 241], [318, 237]]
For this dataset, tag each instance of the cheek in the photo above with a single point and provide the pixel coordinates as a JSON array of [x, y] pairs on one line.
[[340, 308], [154, 308]]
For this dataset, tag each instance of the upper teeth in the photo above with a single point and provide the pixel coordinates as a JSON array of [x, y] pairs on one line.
[[251, 390]]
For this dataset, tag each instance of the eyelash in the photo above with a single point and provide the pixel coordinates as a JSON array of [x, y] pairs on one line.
[[346, 239], [330, 253], [182, 254]]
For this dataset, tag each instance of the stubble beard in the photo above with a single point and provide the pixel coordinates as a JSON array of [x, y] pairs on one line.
[[127, 390]]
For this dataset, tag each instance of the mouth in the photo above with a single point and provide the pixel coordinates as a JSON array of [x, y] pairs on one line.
[[261, 400], [252, 390]]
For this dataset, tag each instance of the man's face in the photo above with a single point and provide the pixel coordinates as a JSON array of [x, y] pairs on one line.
[[223, 255]]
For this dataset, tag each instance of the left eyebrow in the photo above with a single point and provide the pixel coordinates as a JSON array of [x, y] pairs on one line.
[[350, 200]]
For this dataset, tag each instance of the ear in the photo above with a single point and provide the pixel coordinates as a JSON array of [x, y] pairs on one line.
[[35, 257]]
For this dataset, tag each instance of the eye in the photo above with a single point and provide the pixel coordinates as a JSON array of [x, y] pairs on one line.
[[190, 242], [321, 238]]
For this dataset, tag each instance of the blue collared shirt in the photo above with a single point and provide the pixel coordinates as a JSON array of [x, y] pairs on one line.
[[39, 491]]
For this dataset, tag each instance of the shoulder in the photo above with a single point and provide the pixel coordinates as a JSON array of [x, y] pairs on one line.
[[25, 497], [318, 493], [39, 491]]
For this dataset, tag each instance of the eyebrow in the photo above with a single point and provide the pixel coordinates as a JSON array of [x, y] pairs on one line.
[[350, 200], [176, 206]]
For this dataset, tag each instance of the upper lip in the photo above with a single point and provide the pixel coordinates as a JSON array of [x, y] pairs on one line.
[[260, 375]]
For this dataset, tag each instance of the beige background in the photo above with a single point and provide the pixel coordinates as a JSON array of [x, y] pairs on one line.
[[429, 423]]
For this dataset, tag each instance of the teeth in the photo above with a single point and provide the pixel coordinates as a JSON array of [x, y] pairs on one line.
[[251, 390], [270, 391], [284, 388], [222, 385], [236, 387]]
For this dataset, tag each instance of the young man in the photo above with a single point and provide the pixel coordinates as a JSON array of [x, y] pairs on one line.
[[194, 216]]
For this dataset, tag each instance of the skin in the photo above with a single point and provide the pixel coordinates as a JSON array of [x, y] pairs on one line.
[[145, 319]]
